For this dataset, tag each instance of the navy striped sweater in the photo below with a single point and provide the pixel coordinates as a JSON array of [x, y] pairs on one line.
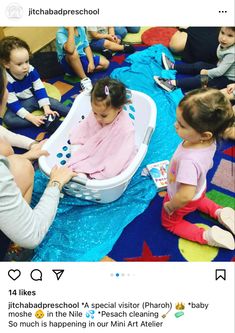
[[30, 85]]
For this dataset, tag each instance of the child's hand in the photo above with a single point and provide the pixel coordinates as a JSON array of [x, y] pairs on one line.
[[91, 67], [110, 37], [230, 88], [168, 208], [36, 120], [204, 72], [115, 39], [48, 111]]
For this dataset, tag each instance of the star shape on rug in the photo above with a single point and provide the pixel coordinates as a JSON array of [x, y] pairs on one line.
[[148, 256], [230, 151], [119, 58]]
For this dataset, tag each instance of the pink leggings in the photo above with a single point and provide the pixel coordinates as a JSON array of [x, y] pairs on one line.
[[176, 223]]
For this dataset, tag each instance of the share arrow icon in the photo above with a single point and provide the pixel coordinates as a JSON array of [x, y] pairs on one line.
[[58, 273]]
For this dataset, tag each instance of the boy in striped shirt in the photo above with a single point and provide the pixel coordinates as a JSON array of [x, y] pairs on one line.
[[26, 90]]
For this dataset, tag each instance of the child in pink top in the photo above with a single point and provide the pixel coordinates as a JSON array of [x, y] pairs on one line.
[[106, 138], [202, 117]]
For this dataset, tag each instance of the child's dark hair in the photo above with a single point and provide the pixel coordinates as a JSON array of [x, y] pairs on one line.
[[231, 28], [112, 92], [207, 109], [2, 83], [10, 43]]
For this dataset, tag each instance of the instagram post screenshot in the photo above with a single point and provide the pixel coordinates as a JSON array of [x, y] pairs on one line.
[[117, 170]]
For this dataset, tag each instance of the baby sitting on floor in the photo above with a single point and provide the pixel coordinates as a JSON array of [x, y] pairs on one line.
[[105, 140]]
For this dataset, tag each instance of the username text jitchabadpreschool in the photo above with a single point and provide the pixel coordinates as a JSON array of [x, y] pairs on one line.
[[63, 12]]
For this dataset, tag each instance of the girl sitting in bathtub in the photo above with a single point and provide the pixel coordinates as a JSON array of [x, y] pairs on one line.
[[105, 140]]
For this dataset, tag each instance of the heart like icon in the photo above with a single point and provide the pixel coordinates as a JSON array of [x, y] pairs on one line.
[[14, 274]]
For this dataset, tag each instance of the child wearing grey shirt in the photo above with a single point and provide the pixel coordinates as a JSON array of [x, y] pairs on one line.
[[205, 74]]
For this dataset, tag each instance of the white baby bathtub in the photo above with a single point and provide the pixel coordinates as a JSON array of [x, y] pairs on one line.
[[142, 110]]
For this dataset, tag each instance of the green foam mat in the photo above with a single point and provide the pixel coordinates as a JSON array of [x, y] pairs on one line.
[[221, 199], [71, 79]]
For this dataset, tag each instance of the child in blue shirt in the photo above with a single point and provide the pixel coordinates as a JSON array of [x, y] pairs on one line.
[[75, 55], [26, 90]]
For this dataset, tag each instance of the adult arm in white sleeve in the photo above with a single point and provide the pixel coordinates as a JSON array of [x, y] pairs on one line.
[[15, 140], [18, 221]]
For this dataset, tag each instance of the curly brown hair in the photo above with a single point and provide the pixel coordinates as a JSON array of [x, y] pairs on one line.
[[10, 43]]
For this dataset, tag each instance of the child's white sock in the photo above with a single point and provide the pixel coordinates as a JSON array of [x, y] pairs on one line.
[[226, 216], [218, 237]]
